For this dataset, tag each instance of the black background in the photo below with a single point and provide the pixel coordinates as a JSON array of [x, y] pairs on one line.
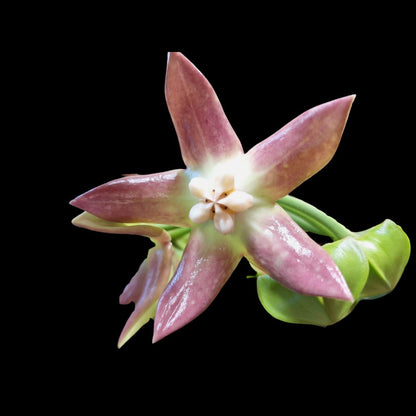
[[96, 101]]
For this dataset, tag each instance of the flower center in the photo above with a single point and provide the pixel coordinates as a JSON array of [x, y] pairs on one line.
[[219, 201]]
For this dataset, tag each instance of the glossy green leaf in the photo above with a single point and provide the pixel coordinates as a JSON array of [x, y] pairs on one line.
[[387, 248], [292, 307], [289, 306], [353, 264]]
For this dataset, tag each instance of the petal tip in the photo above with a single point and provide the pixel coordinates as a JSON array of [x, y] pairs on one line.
[[345, 297], [339, 290], [74, 202], [339, 109], [175, 56], [348, 101], [124, 337], [164, 325], [333, 290], [350, 97], [75, 221], [335, 287], [80, 202], [121, 342], [161, 331]]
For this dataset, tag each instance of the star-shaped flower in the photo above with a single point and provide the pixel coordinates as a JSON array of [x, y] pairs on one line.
[[228, 198]]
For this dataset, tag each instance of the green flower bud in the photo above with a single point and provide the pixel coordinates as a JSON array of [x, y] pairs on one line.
[[351, 260], [387, 249]]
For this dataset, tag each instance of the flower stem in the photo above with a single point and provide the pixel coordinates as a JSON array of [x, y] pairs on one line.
[[312, 219]]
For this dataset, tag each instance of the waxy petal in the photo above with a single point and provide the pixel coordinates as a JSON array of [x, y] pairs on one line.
[[159, 198], [278, 246], [387, 248], [207, 263], [145, 288], [204, 132], [304, 146]]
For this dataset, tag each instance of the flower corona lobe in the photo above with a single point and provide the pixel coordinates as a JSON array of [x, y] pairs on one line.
[[219, 201]]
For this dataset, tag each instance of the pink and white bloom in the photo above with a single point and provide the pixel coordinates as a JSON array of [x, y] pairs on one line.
[[228, 198]]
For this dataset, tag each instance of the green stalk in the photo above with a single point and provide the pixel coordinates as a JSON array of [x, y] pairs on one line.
[[312, 219]]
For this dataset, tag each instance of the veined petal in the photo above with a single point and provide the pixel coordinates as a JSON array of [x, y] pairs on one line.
[[277, 245], [298, 150], [204, 132], [207, 263], [159, 198], [145, 288]]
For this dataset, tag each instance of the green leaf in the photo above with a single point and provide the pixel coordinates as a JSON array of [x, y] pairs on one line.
[[292, 307], [289, 306], [352, 262], [387, 248]]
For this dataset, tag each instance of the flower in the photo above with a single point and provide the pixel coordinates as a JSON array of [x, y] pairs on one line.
[[227, 198]]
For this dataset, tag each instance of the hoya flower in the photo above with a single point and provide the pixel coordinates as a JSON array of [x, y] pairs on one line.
[[228, 199]]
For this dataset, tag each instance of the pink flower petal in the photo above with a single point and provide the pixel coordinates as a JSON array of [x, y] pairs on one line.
[[298, 150], [202, 127], [207, 263], [159, 198], [145, 287], [278, 246]]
